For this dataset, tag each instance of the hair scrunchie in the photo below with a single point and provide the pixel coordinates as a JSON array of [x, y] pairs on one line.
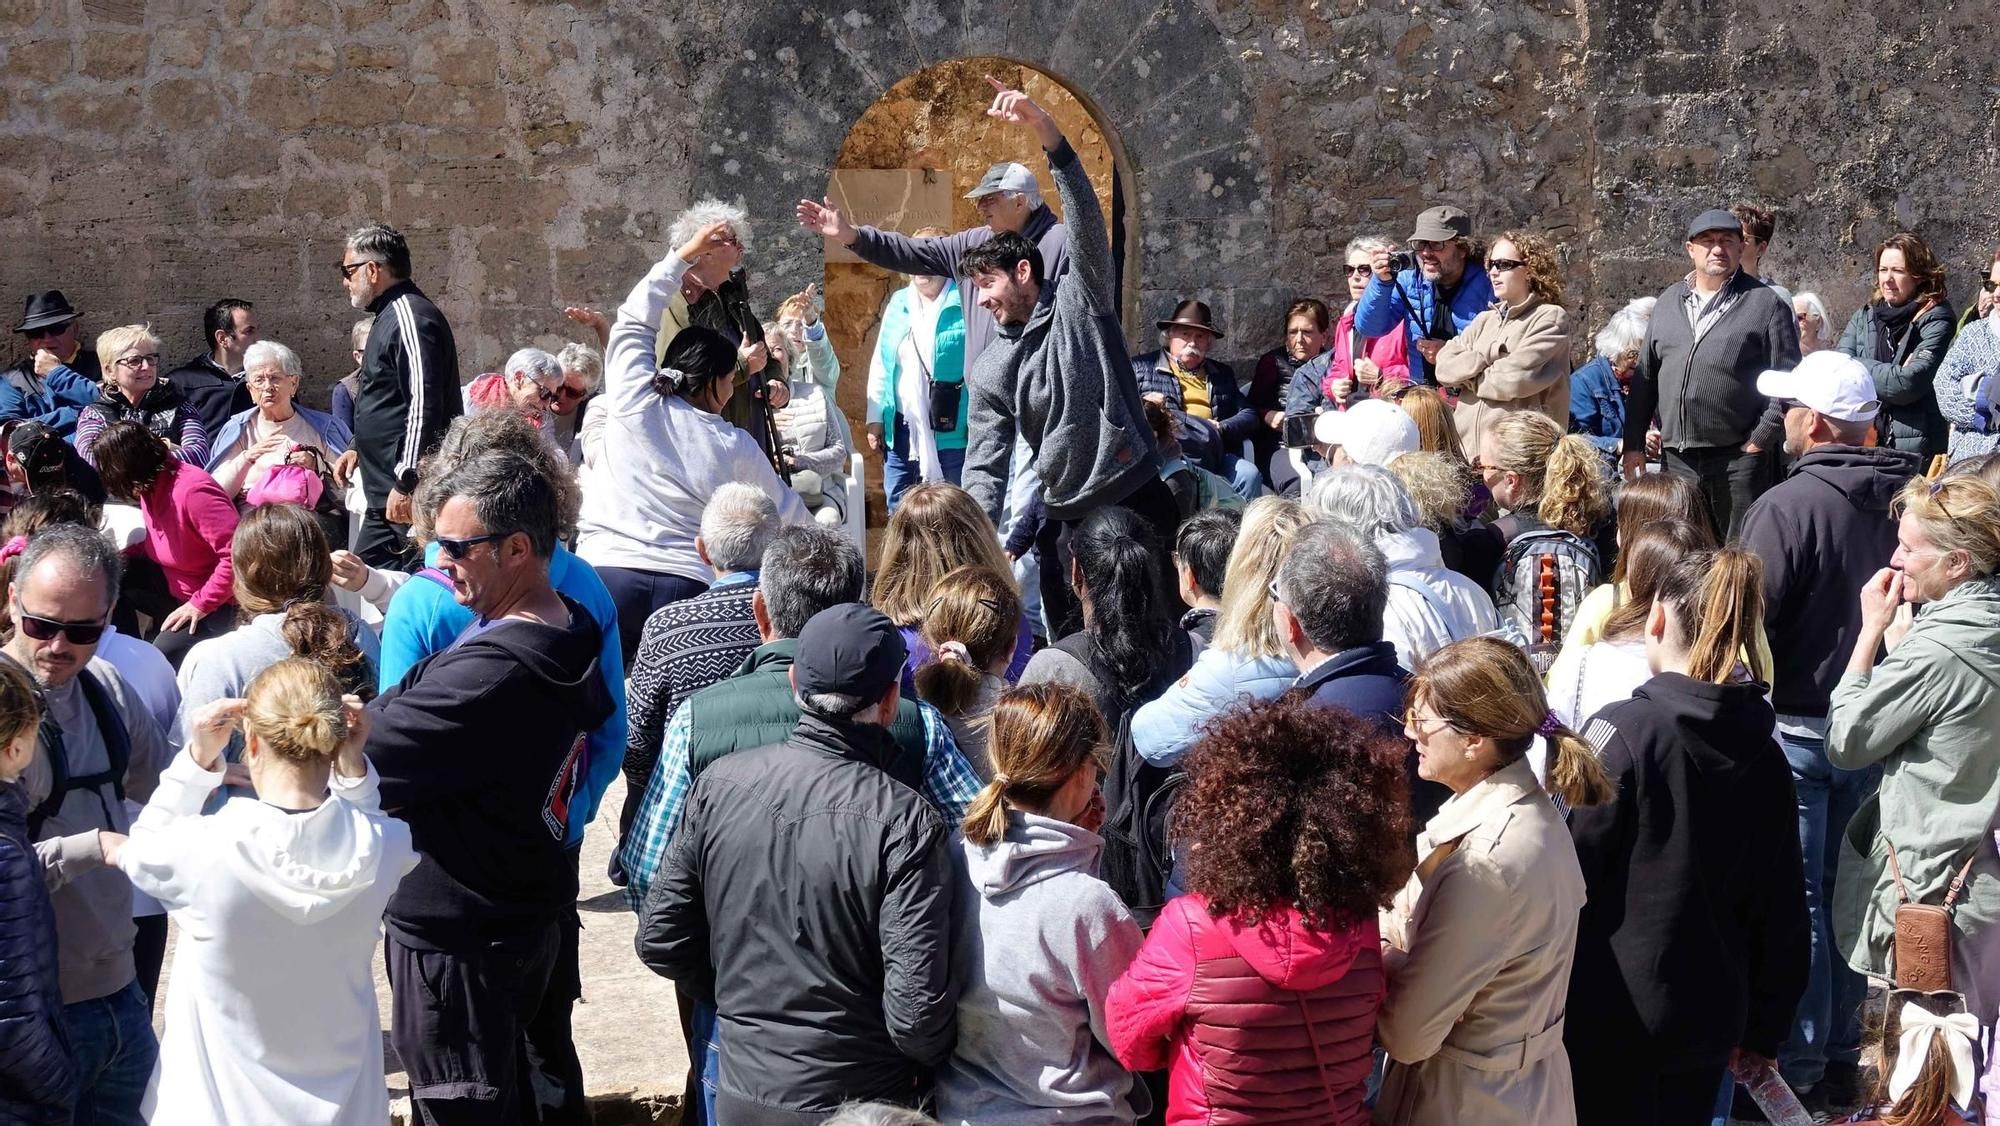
[[954, 651], [1550, 725], [673, 381], [13, 547]]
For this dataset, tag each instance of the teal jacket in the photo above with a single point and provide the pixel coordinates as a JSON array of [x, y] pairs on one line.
[[1928, 713], [947, 362]]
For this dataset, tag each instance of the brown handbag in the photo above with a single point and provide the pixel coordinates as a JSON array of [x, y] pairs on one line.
[[1923, 931]]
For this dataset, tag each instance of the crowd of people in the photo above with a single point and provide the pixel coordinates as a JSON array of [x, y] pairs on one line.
[[1426, 732]]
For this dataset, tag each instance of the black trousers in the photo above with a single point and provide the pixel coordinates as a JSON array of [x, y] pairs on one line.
[[383, 545], [149, 953], [1627, 1093], [555, 1074], [1729, 479], [1154, 503], [459, 1021]]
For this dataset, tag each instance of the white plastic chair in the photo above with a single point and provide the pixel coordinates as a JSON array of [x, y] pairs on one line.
[[857, 501]]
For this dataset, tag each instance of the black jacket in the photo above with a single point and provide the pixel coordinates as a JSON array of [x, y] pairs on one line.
[[1903, 382], [479, 750], [214, 394], [1822, 533], [1694, 939], [1705, 392], [37, 1071], [1367, 681], [808, 897], [409, 387]]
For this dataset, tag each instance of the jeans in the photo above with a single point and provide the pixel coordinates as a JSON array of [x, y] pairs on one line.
[[1244, 478], [1730, 481], [1828, 1024], [901, 471], [112, 1038]]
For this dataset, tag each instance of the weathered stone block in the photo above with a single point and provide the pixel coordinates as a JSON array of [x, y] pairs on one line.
[[39, 60], [187, 103], [457, 107], [113, 56], [459, 61], [361, 100], [17, 16], [375, 56], [280, 103], [287, 15], [182, 46], [90, 111]]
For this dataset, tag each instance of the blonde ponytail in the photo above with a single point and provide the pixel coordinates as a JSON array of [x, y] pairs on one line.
[[1576, 775], [1576, 497], [1716, 599], [1042, 735]]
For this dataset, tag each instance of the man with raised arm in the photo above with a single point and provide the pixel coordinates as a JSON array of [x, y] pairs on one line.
[[1057, 374]]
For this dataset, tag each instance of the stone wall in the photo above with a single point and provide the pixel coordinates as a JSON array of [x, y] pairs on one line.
[[156, 154]]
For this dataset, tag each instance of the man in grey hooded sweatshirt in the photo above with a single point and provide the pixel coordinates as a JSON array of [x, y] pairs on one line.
[[1058, 375]]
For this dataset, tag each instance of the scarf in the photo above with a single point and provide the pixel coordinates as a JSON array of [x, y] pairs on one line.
[[1892, 326]]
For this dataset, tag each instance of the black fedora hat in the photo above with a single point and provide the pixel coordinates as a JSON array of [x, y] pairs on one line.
[[44, 309], [1193, 314]]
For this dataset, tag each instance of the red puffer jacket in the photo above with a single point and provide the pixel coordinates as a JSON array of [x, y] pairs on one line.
[[1271, 1024]]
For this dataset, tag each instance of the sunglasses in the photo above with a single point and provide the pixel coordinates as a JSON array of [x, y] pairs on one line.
[[1360, 271], [1417, 723], [459, 549], [1988, 284], [47, 629], [1503, 265], [46, 331], [347, 268], [569, 394]]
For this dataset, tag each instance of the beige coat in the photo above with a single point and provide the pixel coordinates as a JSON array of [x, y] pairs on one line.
[[1508, 360], [1478, 952]]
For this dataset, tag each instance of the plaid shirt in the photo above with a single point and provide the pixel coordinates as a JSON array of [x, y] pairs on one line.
[[949, 784]]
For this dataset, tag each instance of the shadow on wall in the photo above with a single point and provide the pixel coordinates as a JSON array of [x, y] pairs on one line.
[[907, 163]]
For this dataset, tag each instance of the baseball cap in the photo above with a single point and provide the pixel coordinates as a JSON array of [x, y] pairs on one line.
[[38, 448], [1006, 176], [1714, 219], [1442, 224], [852, 649], [1372, 431], [1832, 383]]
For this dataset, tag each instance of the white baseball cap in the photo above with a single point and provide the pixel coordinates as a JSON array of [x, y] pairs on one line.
[[1372, 431], [1832, 383], [1005, 176]]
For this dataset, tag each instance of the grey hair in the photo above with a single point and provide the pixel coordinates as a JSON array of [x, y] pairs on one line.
[[272, 352], [1368, 244], [470, 435], [737, 524], [86, 548], [583, 360], [1815, 308], [704, 212], [878, 1114], [1335, 581], [805, 570], [1369, 497], [534, 363], [382, 243], [1032, 195], [358, 335], [1626, 329], [834, 705], [509, 493]]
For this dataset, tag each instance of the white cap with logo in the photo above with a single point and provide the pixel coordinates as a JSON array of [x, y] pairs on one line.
[[1831, 383], [1372, 432]]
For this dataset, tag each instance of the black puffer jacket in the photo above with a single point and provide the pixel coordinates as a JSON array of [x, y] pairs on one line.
[[1822, 533], [808, 897], [37, 1074]]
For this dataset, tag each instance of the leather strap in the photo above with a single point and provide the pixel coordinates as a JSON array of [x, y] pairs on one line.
[[1952, 891]]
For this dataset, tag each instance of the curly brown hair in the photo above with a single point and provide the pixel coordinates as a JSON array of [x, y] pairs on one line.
[[1292, 804], [1543, 267]]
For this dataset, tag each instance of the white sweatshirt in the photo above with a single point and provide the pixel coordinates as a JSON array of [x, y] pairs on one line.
[[662, 457], [271, 1006]]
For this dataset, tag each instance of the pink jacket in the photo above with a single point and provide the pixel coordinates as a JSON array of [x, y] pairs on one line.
[[1390, 353], [1269, 1025], [189, 523]]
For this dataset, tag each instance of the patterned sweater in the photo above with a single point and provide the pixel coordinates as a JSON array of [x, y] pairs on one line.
[[688, 645]]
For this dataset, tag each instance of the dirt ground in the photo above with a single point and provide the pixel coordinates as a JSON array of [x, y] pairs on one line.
[[627, 1032]]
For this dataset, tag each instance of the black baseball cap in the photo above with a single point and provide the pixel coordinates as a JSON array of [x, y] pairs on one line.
[[1714, 219], [851, 649]]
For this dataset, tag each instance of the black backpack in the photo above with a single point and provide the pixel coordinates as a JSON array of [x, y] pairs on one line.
[[117, 750]]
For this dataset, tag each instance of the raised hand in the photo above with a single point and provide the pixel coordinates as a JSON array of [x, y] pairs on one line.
[[806, 296], [592, 319], [1016, 108], [826, 221], [209, 728], [716, 236]]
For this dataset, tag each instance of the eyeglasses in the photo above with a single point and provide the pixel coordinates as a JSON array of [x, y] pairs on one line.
[[1417, 723], [1503, 265], [1360, 271], [569, 394], [269, 380], [1275, 596], [347, 268], [546, 395], [459, 549], [134, 363], [1988, 284], [46, 629]]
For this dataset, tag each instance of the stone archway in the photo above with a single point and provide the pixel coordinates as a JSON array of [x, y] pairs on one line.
[[1153, 71]]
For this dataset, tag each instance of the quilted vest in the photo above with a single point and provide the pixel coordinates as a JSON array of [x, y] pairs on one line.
[[753, 707]]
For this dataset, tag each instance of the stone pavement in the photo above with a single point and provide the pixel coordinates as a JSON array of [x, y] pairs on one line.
[[627, 1030]]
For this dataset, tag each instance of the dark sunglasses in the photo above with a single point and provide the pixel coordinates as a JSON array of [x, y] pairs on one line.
[[1988, 284], [1503, 265], [347, 268], [459, 549], [46, 331], [1362, 270], [569, 394], [47, 629]]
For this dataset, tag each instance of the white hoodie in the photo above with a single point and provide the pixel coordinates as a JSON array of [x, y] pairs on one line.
[[1429, 606], [271, 1006]]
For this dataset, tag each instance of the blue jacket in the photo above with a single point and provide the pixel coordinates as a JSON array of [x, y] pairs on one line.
[[1596, 405], [1166, 728], [423, 618], [37, 1071], [65, 392], [331, 430], [1381, 309], [1367, 681]]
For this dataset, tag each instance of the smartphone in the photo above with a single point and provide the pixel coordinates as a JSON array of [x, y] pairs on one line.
[[1298, 433]]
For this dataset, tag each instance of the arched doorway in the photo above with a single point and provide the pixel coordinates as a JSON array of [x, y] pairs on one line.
[[906, 165]]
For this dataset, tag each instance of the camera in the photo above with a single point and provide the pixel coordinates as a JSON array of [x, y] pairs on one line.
[[1402, 260]]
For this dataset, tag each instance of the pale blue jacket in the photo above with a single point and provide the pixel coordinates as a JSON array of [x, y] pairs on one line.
[[1164, 729]]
